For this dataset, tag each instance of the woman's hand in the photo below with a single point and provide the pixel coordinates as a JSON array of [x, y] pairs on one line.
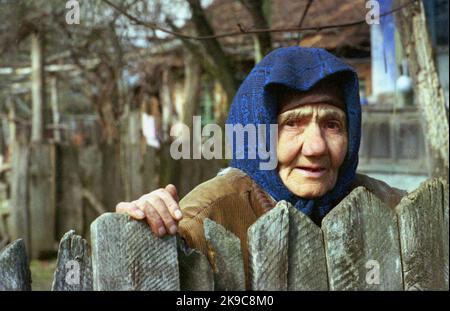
[[159, 208]]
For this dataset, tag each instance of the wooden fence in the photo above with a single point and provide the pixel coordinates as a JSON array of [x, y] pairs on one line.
[[362, 245]]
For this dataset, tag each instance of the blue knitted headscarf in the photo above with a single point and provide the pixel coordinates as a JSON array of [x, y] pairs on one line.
[[297, 68]]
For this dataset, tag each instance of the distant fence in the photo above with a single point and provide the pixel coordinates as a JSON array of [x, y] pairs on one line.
[[362, 245]]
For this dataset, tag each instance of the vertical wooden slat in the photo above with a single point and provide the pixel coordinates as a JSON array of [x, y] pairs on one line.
[[90, 164], [268, 249], [74, 268], [446, 235], [42, 200], [132, 157], [69, 199], [228, 263], [127, 256], [362, 244], [307, 262], [421, 224], [19, 193], [37, 87], [195, 271], [14, 269]]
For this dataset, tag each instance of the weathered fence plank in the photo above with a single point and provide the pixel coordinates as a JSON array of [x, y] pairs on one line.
[[127, 256], [446, 235], [14, 270], [42, 200], [228, 264], [90, 163], [69, 200], [74, 268], [307, 262], [195, 271], [362, 244], [423, 235], [19, 193], [268, 249]]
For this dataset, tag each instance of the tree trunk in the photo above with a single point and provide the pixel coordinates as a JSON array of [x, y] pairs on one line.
[[224, 72], [191, 88], [55, 108], [37, 86], [260, 12], [412, 26]]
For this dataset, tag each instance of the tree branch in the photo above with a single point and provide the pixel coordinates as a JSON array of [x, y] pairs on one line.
[[250, 31], [302, 19]]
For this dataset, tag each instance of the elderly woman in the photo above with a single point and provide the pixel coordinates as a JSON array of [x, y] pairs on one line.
[[313, 97]]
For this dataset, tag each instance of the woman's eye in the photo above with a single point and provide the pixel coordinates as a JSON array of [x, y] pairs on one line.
[[291, 123], [333, 125]]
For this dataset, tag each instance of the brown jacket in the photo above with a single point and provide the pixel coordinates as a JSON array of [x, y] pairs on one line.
[[235, 201]]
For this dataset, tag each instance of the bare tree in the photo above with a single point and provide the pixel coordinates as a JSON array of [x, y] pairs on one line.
[[224, 70], [260, 12], [411, 23]]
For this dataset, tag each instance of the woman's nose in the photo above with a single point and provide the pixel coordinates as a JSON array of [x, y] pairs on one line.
[[314, 144]]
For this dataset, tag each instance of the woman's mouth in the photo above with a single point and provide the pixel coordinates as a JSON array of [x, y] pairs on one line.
[[312, 172]]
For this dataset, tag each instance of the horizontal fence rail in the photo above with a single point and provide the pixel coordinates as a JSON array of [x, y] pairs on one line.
[[361, 245]]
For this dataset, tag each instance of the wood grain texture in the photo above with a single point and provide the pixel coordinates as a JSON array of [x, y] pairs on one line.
[[228, 263], [42, 200], [15, 273], [69, 276], [195, 271], [127, 256], [411, 23], [19, 193], [423, 235], [358, 231], [268, 249], [446, 234], [307, 261], [69, 200]]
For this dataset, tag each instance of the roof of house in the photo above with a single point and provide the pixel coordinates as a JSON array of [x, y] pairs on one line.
[[225, 15]]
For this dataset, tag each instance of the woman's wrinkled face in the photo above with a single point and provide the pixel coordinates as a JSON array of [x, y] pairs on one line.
[[312, 140]]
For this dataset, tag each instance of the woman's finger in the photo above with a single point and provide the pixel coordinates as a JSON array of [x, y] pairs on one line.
[[171, 203], [164, 213], [131, 209], [153, 219]]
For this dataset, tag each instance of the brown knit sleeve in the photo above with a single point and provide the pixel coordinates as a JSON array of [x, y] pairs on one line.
[[224, 199]]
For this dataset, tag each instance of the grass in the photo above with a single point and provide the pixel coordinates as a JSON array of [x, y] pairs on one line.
[[42, 274]]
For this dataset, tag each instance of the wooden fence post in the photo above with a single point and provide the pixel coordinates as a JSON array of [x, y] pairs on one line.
[[446, 234], [74, 268], [268, 249], [69, 199], [20, 213], [90, 163], [127, 256], [228, 264], [424, 237], [42, 200], [14, 270], [195, 271], [362, 244], [307, 262]]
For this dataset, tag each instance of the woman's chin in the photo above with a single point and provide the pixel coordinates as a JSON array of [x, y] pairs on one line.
[[310, 191]]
